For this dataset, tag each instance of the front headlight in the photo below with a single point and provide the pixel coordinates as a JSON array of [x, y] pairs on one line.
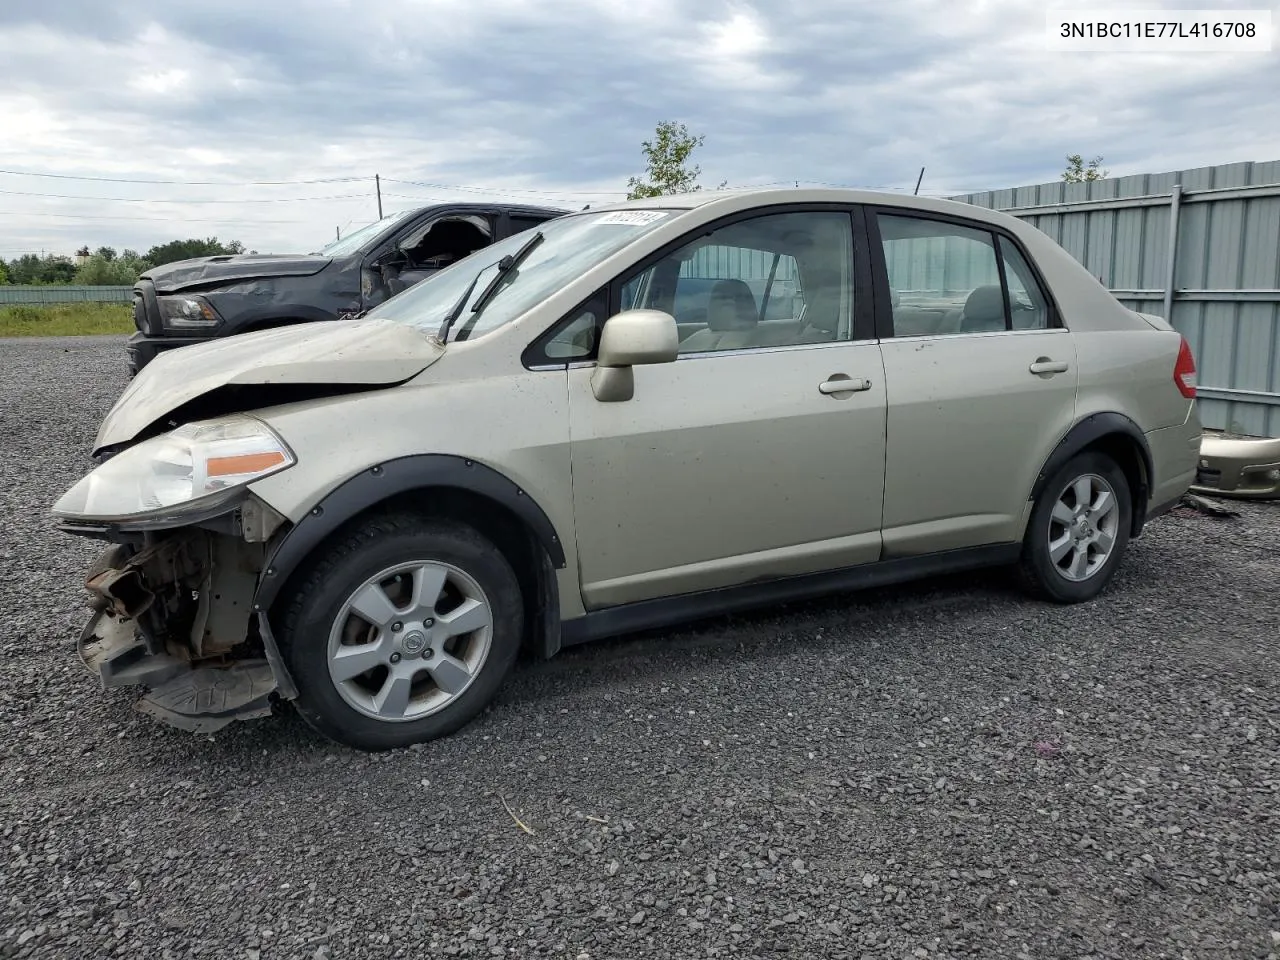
[[194, 469], [186, 313]]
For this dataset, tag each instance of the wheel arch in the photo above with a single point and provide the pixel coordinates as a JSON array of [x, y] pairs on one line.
[[444, 486], [1120, 438]]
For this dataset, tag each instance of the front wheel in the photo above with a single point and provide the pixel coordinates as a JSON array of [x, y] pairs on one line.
[[1078, 531], [401, 632]]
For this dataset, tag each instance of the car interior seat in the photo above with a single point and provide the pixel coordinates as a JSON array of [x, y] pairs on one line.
[[983, 310], [732, 316]]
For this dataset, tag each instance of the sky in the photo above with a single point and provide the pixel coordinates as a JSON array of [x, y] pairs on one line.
[[265, 122]]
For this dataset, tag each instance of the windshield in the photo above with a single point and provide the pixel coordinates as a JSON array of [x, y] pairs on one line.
[[571, 245], [354, 241]]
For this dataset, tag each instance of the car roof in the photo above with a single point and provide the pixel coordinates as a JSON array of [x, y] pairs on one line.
[[747, 197], [487, 205]]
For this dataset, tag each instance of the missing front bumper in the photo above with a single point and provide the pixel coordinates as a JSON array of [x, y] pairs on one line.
[[175, 619], [197, 697]]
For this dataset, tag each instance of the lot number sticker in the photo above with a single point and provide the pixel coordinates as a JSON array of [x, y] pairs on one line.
[[633, 218]]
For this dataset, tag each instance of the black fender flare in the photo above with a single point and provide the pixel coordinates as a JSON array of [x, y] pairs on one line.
[[377, 483], [1089, 431]]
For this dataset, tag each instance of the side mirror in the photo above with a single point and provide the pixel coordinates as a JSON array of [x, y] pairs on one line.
[[632, 338]]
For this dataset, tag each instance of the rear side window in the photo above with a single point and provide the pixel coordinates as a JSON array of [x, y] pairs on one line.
[[1028, 305], [945, 279], [520, 224]]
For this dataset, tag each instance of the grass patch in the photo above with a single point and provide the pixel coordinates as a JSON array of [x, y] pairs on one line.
[[65, 319]]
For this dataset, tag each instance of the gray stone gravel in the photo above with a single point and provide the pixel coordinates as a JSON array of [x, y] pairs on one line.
[[944, 770]]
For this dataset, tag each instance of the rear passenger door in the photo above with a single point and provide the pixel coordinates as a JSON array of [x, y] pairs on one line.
[[518, 222], [981, 378]]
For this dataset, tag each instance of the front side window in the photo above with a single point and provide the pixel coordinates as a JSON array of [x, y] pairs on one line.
[[776, 280], [569, 246]]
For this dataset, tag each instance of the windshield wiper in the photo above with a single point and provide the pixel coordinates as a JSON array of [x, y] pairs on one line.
[[505, 266], [456, 309]]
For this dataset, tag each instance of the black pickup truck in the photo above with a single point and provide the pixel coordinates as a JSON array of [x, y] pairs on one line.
[[193, 301]]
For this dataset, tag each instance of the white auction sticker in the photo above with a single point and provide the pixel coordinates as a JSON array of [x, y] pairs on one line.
[[633, 218], [1159, 31]]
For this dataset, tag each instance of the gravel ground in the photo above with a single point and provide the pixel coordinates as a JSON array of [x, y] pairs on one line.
[[942, 770]]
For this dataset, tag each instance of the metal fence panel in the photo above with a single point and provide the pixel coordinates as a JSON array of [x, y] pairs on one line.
[[13, 294], [1223, 293]]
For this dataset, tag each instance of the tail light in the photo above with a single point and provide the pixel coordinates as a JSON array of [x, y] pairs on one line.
[[1184, 371]]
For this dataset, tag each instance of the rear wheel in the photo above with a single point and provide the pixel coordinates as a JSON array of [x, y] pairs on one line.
[[1078, 531], [402, 632]]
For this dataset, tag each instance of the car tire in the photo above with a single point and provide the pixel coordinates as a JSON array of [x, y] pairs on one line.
[[365, 601], [1071, 550]]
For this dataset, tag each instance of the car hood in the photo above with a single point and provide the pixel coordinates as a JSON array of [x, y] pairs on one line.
[[202, 271], [307, 360]]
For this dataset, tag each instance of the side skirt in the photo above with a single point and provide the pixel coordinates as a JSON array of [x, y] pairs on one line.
[[685, 608]]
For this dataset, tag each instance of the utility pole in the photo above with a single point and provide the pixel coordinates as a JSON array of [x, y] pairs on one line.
[[338, 231], [377, 182], [918, 179]]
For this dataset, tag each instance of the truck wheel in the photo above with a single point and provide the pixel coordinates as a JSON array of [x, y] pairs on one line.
[[1078, 531], [401, 632]]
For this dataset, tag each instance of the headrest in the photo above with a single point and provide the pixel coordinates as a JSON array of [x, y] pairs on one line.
[[985, 306], [732, 306]]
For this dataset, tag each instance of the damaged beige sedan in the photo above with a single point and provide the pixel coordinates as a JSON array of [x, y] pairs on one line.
[[628, 418]]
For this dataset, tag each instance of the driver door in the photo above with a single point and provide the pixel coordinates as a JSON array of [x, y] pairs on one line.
[[741, 460]]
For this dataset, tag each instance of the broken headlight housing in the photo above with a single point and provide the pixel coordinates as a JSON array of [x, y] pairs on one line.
[[193, 471], [186, 313]]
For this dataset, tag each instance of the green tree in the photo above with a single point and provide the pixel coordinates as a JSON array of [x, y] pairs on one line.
[[1076, 171], [666, 159], [177, 250], [31, 269], [4, 273], [103, 271], [106, 253]]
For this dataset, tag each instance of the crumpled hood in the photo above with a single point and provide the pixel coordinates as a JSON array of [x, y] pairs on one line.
[[174, 277], [369, 352]]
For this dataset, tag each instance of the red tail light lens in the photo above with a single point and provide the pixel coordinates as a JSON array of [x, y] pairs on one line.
[[1184, 371]]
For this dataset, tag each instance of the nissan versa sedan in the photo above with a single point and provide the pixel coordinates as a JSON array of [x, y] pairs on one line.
[[626, 418]]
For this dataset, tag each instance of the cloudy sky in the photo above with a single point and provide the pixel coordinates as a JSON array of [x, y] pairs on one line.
[[265, 121]]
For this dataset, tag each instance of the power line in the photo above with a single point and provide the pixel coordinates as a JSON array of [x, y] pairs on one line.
[[63, 196], [405, 196], [465, 188], [507, 190], [76, 216], [185, 183]]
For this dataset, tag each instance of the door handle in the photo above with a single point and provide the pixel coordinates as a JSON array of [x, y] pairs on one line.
[[842, 384], [1045, 365]]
